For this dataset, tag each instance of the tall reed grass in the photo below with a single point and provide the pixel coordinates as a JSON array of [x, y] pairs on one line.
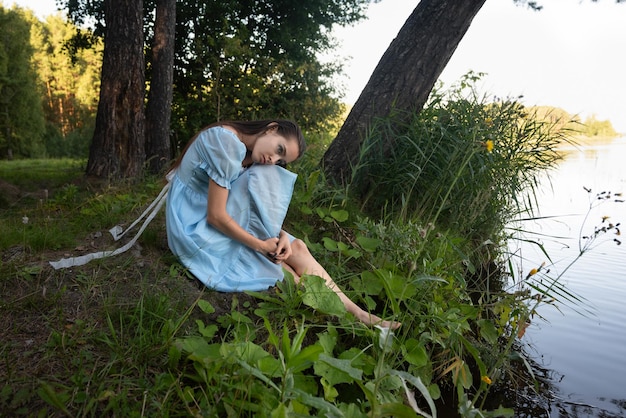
[[464, 162]]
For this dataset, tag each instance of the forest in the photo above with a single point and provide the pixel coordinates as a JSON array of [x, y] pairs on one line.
[[416, 225]]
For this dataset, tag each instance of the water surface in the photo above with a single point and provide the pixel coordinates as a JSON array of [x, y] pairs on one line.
[[583, 343]]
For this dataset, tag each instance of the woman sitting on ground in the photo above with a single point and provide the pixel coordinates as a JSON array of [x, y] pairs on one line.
[[227, 200]]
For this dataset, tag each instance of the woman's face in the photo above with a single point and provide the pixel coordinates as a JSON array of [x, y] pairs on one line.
[[273, 148]]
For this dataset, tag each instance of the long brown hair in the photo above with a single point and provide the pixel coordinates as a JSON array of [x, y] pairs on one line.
[[286, 128]]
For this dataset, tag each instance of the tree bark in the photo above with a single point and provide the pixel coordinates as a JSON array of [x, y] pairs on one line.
[[159, 107], [404, 76], [117, 148]]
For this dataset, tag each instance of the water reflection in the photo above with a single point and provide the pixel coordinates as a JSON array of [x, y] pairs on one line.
[[584, 353]]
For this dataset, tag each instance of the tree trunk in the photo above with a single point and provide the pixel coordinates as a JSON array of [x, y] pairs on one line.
[[117, 148], [159, 108], [404, 77]]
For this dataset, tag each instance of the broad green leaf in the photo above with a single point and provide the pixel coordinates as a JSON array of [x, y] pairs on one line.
[[173, 356], [320, 297], [245, 351], [320, 212], [415, 353], [434, 390], [207, 332], [198, 348], [368, 244], [488, 331], [270, 366], [371, 282], [239, 317], [353, 253], [330, 393], [336, 371], [328, 340], [394, 409], [280, 411], [305, 210], [305, 358], [206, 306], [330, 244], [399, 286], [340, 215]]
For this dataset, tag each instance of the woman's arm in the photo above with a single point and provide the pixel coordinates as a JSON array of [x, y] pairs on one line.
[[218, 217]]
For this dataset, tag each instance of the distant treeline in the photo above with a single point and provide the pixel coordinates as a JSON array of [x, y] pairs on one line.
[[48, 97], [590, 127]]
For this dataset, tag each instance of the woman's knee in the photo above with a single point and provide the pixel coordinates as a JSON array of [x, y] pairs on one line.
[[299, 248]]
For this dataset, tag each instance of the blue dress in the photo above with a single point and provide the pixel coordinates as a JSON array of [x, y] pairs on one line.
[[258, 200]]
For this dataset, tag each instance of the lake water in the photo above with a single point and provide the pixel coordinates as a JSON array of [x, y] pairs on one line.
[[582, 344]]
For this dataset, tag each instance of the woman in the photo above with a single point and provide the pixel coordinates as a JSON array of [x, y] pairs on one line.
[[226, 204]]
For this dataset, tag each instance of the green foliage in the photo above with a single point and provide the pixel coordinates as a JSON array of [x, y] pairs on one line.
[[21, 114], [290, 373], [245, 60], [69, 85], [260, 58], [461, 163], [53, 95]]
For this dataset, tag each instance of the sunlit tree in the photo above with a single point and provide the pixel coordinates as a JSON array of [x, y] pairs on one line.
[[69, 86], [21, 114]]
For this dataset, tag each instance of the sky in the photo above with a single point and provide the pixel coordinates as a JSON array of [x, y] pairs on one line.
[[571, 54]]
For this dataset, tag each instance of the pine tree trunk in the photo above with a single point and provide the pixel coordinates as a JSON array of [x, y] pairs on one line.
[[159, 108], [117, 149], [404, 77]]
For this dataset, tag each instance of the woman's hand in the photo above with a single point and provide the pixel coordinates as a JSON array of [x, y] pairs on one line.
[[277, 249], [268, 247], [283, 249]]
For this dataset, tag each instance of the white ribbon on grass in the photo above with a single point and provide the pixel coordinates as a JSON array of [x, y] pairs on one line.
[[117, 232]]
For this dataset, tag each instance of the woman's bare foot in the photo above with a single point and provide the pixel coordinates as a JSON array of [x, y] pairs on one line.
[[371, 319]]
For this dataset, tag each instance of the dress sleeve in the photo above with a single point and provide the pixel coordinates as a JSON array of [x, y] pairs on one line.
[[220, 153]]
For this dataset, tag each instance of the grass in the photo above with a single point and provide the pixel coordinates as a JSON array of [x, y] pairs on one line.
[[71, 336]]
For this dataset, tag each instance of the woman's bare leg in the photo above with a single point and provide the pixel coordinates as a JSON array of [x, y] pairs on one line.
[[302, 262]]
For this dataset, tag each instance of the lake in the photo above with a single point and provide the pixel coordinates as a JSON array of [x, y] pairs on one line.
[[583, 343]]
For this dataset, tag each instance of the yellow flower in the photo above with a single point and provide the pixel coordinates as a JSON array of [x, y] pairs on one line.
[[488, 121], [533, 272], [486, 379], [489, 145]]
